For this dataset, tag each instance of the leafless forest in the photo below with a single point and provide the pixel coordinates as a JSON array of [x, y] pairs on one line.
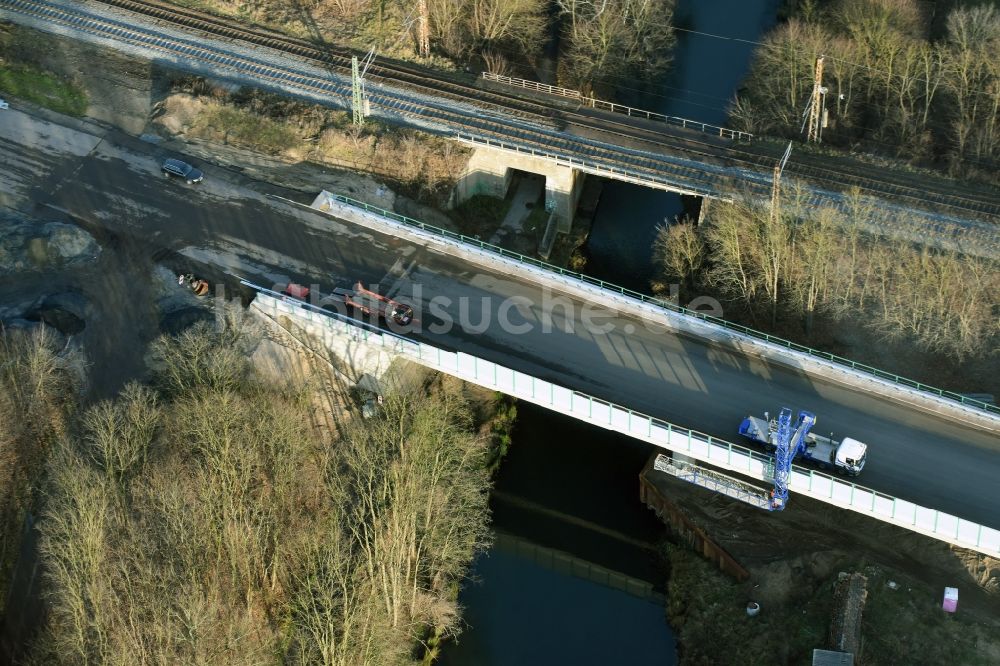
[[893, 84], [601, 41], [204, 518], [804, 260]]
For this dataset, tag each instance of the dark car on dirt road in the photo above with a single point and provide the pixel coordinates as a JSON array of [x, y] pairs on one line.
[[172, 167]]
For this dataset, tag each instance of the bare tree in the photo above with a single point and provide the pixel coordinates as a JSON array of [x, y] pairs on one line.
[[888, 82], [449, 26], [680, 251], [607, 38], [205, 356], [941, 301], [816, 251], [782, 78], [464, 26], [39, 389], [728, 233], [212, 524], [973, 78], [421, 481], [117, 435]]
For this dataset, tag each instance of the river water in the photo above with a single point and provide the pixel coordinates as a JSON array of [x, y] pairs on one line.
[[566, 487], [524, 614], [572, 487], [706, 73]]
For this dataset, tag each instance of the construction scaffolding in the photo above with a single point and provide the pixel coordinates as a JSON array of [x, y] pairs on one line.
[[713, 480]]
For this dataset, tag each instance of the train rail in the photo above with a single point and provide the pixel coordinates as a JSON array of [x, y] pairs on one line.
[[333, 56], [550, 113], [708, 179]]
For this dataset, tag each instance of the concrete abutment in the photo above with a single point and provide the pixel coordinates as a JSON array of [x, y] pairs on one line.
[[490, 171]]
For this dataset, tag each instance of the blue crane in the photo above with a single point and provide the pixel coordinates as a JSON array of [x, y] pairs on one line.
[[788, 442]]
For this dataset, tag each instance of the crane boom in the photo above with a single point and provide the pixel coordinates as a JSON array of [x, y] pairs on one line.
[[788, 443]]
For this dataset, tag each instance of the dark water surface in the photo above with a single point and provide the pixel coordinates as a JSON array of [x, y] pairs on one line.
[[572, 487], [522, 614], [706, 73]]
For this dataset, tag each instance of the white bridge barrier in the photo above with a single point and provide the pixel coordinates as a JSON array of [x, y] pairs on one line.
[[338, 208], [719, 453]]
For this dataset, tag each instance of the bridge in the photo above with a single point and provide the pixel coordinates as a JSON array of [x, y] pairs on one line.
[[674, 379], [372, 348], [503, 141], [353, 339]]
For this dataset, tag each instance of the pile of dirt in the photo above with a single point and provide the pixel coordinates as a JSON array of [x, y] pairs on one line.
[[794, 558], [31, 246], [65, 312]]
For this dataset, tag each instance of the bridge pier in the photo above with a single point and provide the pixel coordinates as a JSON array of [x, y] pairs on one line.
[[490, 171]]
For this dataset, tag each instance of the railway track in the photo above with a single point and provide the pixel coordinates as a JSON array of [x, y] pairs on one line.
[[552, 114], [591, 155], [334, 56], [496, 129]]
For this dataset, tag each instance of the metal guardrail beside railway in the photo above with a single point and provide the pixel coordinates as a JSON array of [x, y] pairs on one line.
[[745, 330], [533, 85], [717, 452], [630, 111]]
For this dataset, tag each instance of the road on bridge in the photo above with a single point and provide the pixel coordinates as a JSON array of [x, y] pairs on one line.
[[227, 221]]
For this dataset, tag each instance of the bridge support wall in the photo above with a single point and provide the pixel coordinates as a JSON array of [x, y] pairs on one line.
[[490, 171], [352, 357], [671, 514]]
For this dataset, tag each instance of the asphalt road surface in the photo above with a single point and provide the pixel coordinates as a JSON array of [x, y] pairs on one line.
[[228, 223]]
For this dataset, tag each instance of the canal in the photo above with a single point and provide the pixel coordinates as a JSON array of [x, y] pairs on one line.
[[706, 72], [571, 488], [522, 613], [568, 488]]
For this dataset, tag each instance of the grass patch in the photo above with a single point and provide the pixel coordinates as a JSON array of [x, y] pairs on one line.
[[907, 626], [246, 128], [708, 611], [480, 215], [34, 85], [419, 165]]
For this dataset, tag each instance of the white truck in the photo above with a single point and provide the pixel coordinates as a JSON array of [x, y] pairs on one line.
[[846, 456]]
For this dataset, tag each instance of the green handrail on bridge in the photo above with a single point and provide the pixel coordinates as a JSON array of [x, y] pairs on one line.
[[788, 344]]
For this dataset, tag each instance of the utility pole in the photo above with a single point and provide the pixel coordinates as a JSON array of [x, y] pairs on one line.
[[357, 96], [776, 182], [424, 31], [359, 101], [817, 104]]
